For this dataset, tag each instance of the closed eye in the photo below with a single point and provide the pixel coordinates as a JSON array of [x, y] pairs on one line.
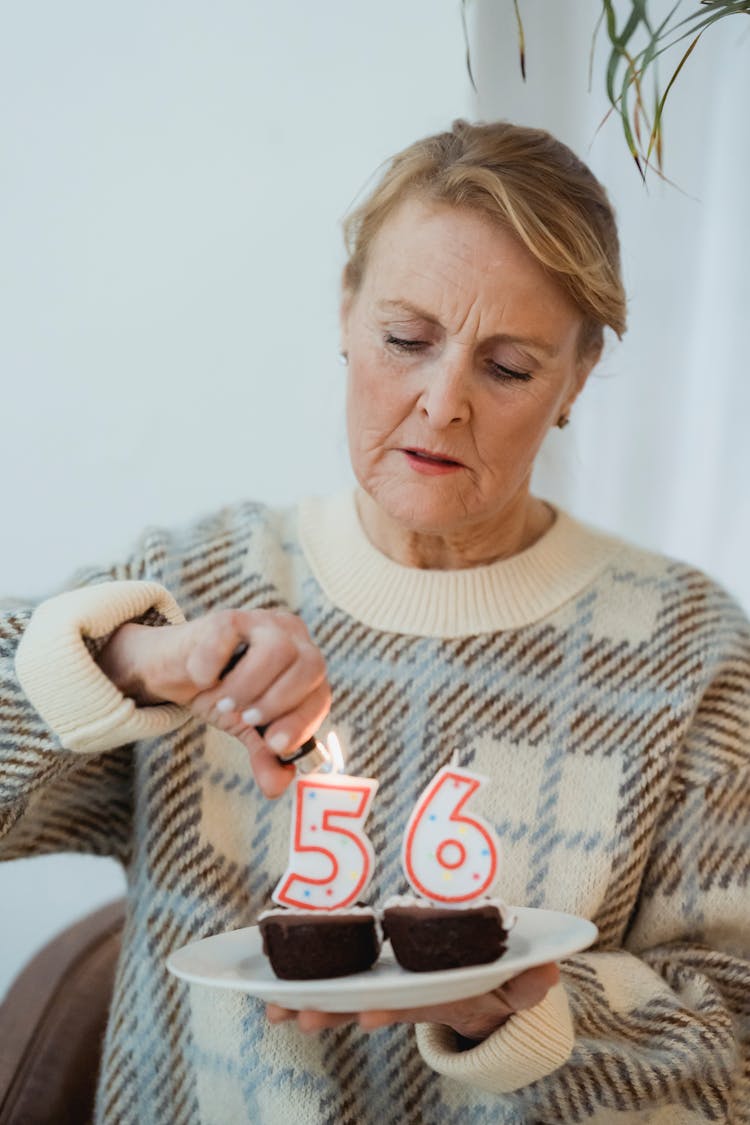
[[404, 345], [498, 371]]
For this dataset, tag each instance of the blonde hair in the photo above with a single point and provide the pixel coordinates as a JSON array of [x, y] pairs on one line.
[[526, 180]]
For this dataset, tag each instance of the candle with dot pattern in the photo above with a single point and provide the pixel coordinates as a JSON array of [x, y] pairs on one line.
[[330, 858], [449, 856]]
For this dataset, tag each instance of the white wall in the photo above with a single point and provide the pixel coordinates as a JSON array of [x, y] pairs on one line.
[[173, 180]]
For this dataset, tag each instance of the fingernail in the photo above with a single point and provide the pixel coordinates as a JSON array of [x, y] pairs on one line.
[[279, 743], [252, 717], [225, 704]]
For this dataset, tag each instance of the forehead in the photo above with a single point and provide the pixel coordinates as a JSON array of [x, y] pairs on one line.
[[442, 256]]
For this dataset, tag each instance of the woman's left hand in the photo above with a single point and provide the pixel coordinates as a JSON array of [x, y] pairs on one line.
[[475, 1018]]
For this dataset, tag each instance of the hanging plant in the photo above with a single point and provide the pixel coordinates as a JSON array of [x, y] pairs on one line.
[[635, 43]]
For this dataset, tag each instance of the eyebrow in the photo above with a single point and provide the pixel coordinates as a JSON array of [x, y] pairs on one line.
[[505, 337]]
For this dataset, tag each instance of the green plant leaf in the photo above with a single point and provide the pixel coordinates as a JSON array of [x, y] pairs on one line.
[[467, 45], [628, 62], [521, 40]]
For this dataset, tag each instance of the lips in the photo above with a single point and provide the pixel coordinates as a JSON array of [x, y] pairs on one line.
[[430, 463], [432, 458]]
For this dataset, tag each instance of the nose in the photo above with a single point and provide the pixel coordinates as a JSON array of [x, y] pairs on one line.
[[445, 398]]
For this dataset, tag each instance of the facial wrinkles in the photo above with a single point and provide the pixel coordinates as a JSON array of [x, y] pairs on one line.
[[471, 300], [404, 427], [446, 269], [482, 295], [450, 287]]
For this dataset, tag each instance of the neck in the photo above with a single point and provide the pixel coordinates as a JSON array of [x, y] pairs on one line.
[[512, 531]]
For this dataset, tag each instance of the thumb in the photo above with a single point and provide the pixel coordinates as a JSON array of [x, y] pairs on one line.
[[530, 988]]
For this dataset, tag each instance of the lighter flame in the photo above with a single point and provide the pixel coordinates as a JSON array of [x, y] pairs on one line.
[[335, 753]]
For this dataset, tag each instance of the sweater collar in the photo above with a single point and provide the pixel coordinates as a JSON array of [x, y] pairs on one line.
[[507, 594]]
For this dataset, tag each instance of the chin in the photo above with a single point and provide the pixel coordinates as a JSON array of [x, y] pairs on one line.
[[414, 509]]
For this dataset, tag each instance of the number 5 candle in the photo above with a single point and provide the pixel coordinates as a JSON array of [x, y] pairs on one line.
[[330, 858], [449, 856]]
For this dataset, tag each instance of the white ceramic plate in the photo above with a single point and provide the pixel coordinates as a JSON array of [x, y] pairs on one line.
[[235, 960]]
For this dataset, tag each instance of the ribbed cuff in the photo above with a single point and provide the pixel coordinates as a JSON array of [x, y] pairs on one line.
[[528, 1047], [66, 686]]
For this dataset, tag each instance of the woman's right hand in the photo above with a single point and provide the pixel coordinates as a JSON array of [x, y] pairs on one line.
[[280, 683]]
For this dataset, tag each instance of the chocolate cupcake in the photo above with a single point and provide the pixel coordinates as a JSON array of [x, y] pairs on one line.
[[428, 938], [316, 944]]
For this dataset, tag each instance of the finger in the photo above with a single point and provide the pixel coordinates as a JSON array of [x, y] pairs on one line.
[[286, 733], [474, 1017], [292, 622], [435, 1013], [290, 688], [530, 988], [309, 1021], [271, 652], [276, 1014], [219, 636], [370, 1021], [272, 776]]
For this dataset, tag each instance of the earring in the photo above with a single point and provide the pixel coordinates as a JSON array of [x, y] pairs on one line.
[[562, 421], [343, 358]]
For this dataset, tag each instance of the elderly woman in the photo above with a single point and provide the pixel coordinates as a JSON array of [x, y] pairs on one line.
[[603, 689]]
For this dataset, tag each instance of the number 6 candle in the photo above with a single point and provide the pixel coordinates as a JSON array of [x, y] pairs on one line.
[[330, 858], [449, 856]]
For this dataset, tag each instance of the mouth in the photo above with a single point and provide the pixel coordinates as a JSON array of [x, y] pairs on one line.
[[425, 460]]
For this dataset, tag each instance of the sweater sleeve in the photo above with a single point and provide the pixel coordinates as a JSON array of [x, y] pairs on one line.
[[65, 729], [657, 1029]]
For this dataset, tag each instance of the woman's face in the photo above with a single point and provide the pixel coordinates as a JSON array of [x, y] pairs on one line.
[[462, 354]]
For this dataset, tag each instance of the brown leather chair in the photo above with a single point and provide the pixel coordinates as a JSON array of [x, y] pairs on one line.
[[52, 1024]]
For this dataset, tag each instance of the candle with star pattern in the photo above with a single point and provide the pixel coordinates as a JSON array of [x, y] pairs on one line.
[[450, 857], [330, 858]]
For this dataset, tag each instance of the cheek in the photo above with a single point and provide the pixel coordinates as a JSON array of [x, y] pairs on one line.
[[509, 435], [355, 397], [527, 414], [363, 412], [370, 400]]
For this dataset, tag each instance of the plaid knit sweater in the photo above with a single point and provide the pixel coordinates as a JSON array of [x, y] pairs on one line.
[[605, 690]]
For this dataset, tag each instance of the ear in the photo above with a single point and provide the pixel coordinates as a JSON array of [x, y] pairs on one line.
[[345, 305]]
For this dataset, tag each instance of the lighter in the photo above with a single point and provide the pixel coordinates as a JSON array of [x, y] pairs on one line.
[[312, 755]]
